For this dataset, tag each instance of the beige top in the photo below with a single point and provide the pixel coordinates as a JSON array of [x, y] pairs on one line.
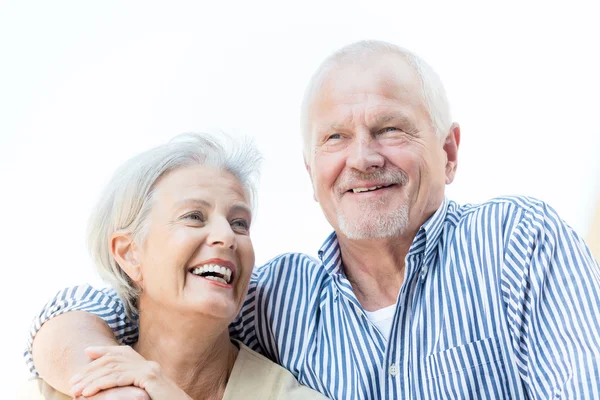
[[593, 239], [253, 377], [256, 377], [37, 389]]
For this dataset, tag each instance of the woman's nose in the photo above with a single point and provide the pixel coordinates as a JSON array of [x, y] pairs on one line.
[[222, 235]]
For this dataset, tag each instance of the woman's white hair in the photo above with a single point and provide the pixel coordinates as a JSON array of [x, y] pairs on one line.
[[126, 201], [432, 93]]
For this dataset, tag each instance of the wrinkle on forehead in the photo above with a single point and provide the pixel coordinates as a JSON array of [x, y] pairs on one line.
[[197, 179], [367, 91]]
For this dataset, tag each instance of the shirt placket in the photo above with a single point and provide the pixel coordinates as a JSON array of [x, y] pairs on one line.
[[398, 376]]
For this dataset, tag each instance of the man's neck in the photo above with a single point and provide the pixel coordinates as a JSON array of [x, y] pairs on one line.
[[192, 350], [375, 268]]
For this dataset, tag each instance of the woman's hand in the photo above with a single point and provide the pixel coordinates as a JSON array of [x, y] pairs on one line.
[[116, 366], [119, 393]]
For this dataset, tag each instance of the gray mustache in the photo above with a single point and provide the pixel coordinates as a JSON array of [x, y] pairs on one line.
[[385, 176]]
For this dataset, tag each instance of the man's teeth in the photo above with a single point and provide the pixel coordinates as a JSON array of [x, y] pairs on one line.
[[213, 272], [358, 190]]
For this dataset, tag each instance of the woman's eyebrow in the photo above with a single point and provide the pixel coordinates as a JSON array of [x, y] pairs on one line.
[[240, 207], [192, 202]]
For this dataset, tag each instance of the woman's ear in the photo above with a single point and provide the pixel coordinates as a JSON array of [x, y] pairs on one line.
[[125, 254]]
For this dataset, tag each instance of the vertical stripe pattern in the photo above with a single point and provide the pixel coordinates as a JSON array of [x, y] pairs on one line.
[[501, 301]]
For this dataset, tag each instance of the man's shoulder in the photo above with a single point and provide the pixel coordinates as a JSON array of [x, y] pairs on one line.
[[503, 206], [290, 268], [297, 261]]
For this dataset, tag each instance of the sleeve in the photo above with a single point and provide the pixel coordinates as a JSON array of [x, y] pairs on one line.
[[551, 285], [242, 327], [281, 310], [104, 303], [284, 308]]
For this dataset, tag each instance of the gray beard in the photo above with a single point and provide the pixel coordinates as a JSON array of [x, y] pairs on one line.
[[374, 224]]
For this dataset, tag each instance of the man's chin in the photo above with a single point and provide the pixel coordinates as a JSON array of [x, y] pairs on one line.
[[374, 225], [354, 232]]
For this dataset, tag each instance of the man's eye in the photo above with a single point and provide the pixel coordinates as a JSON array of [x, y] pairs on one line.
[[334, 136], [389, 129], [240, 225]]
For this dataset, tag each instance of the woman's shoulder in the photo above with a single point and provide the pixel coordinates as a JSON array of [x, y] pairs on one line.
[[256, 377]]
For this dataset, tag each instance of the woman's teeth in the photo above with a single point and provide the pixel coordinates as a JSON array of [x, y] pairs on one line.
[[213, 272]]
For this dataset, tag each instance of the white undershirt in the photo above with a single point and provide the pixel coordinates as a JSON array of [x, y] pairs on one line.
[[382, 319]]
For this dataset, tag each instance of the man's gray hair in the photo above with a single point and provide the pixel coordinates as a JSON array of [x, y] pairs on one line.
[[432, 93], [126, 201]]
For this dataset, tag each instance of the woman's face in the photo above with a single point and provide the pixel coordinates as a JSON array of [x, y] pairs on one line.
[[198, 256]]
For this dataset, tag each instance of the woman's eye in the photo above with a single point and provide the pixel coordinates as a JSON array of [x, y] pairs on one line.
[[240, 225], [334, 136], [195, 216]]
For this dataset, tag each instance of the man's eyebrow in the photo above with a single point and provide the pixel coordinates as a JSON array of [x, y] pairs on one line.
[[382, 119], [407, 123], [341, 125]]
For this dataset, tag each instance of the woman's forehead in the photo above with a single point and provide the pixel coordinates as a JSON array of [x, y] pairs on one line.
[[202, 183]]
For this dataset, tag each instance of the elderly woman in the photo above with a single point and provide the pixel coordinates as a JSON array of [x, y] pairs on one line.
[[171, 234]]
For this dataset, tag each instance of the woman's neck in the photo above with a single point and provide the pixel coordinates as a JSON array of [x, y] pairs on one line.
[[195, 352]]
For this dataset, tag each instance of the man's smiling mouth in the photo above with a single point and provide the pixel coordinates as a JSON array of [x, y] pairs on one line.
[[369, 189]]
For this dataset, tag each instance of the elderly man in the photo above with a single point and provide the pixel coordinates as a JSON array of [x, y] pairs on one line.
[[413, 296]]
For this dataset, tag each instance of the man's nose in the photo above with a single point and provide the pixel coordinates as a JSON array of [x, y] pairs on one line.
[[364, 153], [221, 234]]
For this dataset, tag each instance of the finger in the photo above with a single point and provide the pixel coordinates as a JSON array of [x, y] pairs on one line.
[[95, 352], [120, 393], [112, 380], [96, 370], [94, 366]]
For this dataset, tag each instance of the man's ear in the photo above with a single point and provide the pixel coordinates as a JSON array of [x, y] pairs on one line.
[[307, 166], [450, 146], [124, 251]]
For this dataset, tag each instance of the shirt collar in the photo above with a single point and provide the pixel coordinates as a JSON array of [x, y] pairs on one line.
[[428, 237], [426, 240], [331, 255]]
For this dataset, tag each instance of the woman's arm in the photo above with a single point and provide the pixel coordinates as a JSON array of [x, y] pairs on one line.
[[75, 318], [59, 346]]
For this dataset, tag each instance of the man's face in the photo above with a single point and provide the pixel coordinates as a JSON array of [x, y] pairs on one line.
[[377, 167]]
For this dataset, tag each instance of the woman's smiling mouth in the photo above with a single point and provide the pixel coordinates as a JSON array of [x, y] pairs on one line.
[[213, 272]]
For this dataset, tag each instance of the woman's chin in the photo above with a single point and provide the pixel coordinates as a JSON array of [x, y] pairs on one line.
[[211, 306]]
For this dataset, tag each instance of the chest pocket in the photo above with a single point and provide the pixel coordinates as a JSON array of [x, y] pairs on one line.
[[471, 371]]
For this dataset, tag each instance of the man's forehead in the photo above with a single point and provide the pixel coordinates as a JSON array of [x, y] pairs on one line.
[[356, 84], [385, 71]]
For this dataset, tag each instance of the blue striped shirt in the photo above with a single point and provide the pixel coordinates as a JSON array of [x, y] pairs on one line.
[[500, 301]]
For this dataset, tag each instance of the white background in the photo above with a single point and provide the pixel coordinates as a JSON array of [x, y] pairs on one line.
[[86, 85]]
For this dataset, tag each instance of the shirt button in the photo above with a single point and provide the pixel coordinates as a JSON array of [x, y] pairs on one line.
[[424, 272], [393, 370]]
